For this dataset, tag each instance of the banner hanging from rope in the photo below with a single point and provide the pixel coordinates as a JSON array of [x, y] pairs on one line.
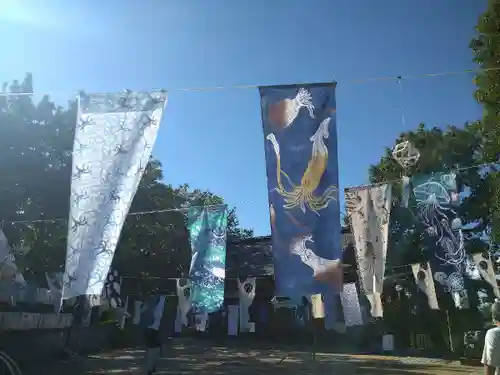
[[114, 136], [369, 211], [207, 232], [435, 202], [302, 176]]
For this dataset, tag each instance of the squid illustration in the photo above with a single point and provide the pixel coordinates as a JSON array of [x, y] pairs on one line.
[[325, 270], [284, 112], [303, 195]]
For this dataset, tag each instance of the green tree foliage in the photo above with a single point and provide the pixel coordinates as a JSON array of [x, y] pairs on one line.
[[35, 165], [440, 150], [486, 47]]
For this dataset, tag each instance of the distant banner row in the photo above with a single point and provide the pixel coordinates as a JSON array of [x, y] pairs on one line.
[[115, 134]]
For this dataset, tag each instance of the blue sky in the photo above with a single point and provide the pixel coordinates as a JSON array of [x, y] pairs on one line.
[[214, 140]]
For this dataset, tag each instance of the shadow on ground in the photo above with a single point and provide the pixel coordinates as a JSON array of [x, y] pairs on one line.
[[197, 356]]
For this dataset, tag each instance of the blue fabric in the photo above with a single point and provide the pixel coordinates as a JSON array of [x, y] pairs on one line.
[[302, 176], [207, 232], [435, 202]]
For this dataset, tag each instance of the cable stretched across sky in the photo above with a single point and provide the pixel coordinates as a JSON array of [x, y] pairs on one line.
[[398, 78]]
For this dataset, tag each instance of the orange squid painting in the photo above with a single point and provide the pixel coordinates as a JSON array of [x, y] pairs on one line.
[[300, 138]]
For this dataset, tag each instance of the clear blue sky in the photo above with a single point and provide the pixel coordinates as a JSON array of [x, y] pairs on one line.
[[214, 140]]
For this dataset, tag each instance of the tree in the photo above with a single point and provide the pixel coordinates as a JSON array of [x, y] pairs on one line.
[[440, 150], [35, 165], [486, 48]]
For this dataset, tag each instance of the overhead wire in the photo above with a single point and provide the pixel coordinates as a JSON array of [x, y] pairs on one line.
[[255, 86]]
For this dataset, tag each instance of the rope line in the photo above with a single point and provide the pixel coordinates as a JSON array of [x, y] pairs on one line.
[[245, 87], [365, 186], [138, 213], [185, 209]]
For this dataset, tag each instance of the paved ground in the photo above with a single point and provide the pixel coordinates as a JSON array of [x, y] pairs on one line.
[[194, 357]]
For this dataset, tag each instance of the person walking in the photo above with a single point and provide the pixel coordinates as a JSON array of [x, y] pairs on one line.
[[491, 351], [151, 321]]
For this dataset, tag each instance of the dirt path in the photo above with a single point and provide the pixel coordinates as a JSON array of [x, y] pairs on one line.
[[190, 358]]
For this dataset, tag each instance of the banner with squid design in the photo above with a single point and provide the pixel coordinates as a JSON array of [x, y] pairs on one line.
[[435, 201], [114, 136], [369, 210], [300, 133], [207, 231]]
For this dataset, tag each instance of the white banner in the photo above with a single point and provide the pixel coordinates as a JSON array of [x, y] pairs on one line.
[[369, 210], [114, 136]]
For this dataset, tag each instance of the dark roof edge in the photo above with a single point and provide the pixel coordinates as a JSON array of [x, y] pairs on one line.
[[253, 240]]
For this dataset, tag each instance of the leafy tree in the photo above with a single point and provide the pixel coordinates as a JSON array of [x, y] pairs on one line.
[[440, 150], [35, 165], [486, 48]]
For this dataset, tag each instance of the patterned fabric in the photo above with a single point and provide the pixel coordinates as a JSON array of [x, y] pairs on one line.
[[302, 177], [369, 211], [434, 202], [207, 231], [485, 268], [112, 289], [350, 306], [246, 292], [423, 278], [114, 136]]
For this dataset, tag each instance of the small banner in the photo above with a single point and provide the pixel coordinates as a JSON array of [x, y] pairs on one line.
[[423, 278], [369, 211]]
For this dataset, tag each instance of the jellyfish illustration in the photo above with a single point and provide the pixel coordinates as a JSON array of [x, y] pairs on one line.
[[434, 211]]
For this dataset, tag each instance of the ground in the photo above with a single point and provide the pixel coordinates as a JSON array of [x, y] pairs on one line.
[[198, 356]]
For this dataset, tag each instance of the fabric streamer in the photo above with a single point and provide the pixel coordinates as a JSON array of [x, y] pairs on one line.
[[207, 231], [184, 297], [369, 210], [317, 307], [246, 291], [8, 268], [138, 309], [350, 306], [232, 320], [435, 201], [485, 268], [114, 136], [152, 314], [201, 322], [423, 278], [302, 176]]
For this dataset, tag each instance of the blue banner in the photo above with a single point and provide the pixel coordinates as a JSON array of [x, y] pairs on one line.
[[302, 175], [207, 232], [435, 202]]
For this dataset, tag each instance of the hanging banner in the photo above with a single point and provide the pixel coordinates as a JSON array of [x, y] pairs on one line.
[[8, 268], [302, 177], [207, 231], [434, 202], [246, 292], [350, 306], [369, 211], [114, 136], [423, 278], [184, 297], [485, 267]]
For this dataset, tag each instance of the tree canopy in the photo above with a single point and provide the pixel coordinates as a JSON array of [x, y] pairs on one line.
[[35, 163], [456, 147], [486, 48]]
